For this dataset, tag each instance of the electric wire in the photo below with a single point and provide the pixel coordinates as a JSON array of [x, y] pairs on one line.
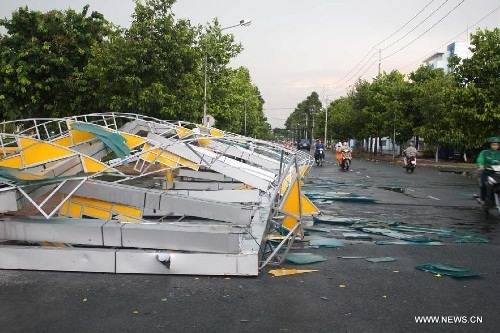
[[416, 26], [424, 32]]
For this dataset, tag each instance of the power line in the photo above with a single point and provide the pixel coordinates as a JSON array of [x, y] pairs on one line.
[[416, 26], [404, 25], [426, 31], [491, 12], [371, 52]]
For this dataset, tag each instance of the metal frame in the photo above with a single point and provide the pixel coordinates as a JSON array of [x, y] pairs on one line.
[[264, 168]]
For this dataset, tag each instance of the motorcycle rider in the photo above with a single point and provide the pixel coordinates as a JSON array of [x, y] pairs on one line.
[[319, 145], [485, 161], [338, 152], [345, 148], [410, 151]]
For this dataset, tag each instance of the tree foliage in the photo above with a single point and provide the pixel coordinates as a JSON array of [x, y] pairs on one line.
[[458, 110], [64, 63], [41, 57]]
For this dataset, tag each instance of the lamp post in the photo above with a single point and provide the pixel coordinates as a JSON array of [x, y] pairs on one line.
[[243, 23], [326, 117]]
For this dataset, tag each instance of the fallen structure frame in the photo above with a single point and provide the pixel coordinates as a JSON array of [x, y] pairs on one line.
[[125, 193]]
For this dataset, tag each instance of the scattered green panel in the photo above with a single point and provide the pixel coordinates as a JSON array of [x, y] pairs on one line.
[[449, 270], [356, 236], [112, 140], [327, 219], [350, 257], [403, 242], [418, 239], [304, 258], [386, 232], [316, 229], [380, 259], [417, 229], [326, 242], [471, 239]]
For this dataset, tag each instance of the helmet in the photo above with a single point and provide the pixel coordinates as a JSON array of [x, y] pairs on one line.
[[494, 139]]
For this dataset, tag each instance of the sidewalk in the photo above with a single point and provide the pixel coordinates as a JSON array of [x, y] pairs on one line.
[[422, 162]]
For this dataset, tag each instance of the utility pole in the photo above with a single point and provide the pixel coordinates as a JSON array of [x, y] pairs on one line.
[[326, 118], [394, 138], [243, 23], [205, 93], [307, 127], [312, 129], [245, 118], [379, 60]]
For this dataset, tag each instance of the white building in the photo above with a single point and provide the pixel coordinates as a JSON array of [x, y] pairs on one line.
[[440, 59]]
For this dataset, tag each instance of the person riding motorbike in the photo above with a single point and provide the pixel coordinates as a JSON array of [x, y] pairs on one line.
[[338, 152], [319, 150], [409, 152], [345, 153], [486, 161]]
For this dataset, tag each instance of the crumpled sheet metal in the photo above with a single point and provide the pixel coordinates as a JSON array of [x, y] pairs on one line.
[[449, 270], [380, 259], [404, 242], [304, 258], [326, 242]]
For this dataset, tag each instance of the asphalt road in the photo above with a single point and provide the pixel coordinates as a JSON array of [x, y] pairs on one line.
[[374, 297]]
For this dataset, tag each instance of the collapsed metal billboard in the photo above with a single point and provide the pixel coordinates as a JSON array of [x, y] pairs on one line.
[[125, 193]]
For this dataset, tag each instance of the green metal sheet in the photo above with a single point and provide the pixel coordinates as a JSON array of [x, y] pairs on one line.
[[112, 140]]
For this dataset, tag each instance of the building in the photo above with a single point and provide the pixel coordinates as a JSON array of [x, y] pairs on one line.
[[437, 60], [440, 59]]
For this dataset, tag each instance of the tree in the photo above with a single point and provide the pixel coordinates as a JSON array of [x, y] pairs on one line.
[[152, 68], [41, 55], [302, 117], [432, 89], [477, 103]]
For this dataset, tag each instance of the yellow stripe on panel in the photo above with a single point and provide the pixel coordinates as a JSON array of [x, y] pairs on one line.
[[132, 140], [12, 162], [91, 165], [289, 222], [36, 152]]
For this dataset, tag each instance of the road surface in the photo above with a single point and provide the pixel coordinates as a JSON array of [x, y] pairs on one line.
[[343, 296]]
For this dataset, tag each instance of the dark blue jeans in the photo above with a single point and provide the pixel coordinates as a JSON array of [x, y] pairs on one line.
[[484, 185]]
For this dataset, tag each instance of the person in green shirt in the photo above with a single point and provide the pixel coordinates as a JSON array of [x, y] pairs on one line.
[[486, 160]]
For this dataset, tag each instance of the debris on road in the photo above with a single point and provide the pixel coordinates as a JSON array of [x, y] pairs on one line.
[[350, 257], [304, 258], [325, 197], [356, 236], [326, 242], [405, 242], [290, 271], [380, 259], [328, 219], [449, 270]]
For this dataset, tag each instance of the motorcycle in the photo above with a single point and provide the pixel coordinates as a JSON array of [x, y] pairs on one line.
[[345, 163], [319, 156], [492, 191], [411, 164]]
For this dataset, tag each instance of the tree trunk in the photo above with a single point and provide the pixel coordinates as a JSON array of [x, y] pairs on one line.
[[437, 153], [375, 151], [371, 145]]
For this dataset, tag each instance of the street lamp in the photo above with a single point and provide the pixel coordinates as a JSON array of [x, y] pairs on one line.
[[243, 23], [326, 117]]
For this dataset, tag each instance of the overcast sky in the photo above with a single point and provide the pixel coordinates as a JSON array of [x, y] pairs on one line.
[[296, 46]]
